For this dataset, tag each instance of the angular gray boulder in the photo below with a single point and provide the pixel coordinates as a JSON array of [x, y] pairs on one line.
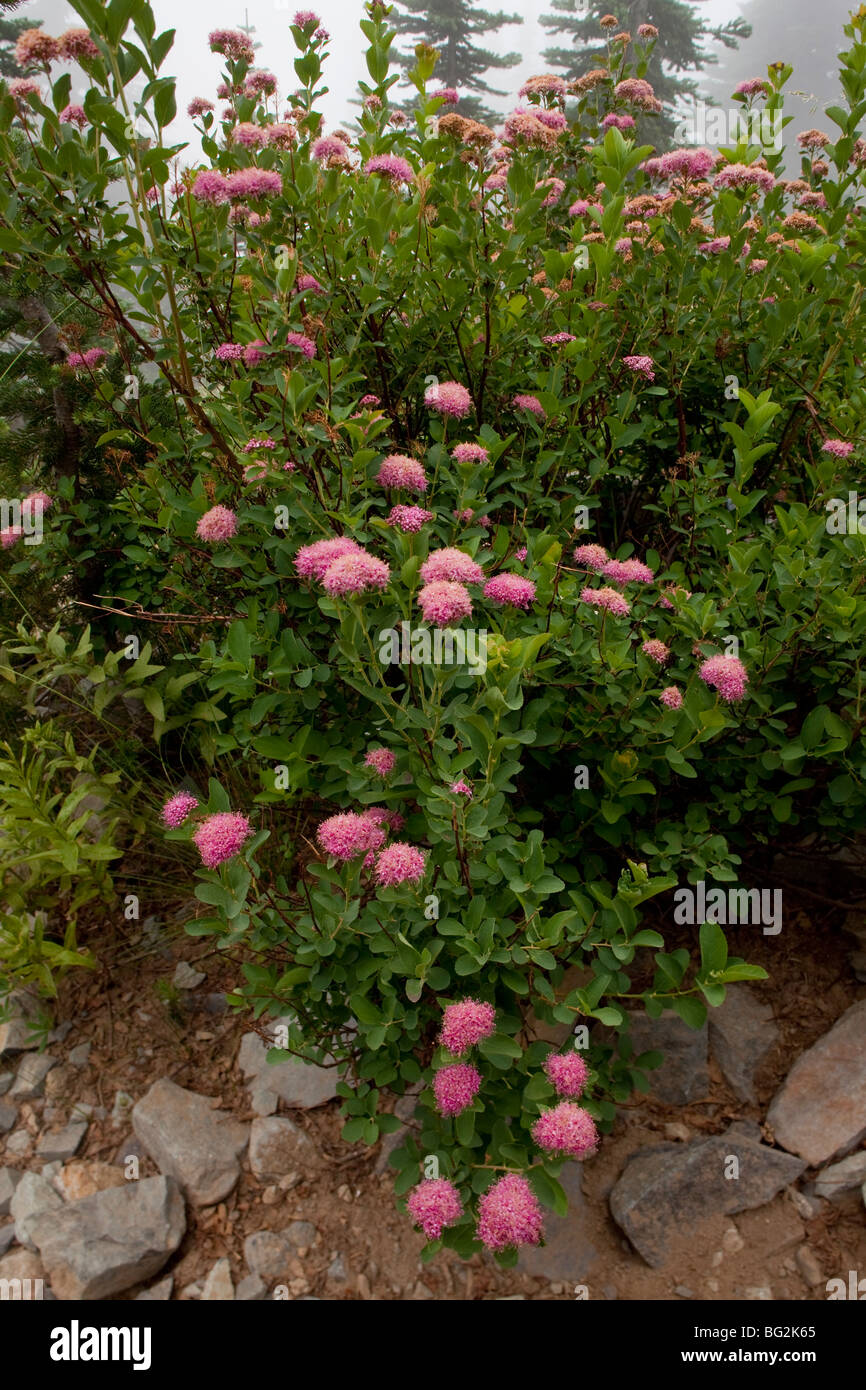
[[819, 1111], [665, 1190], [190, 1141], [103, 1244]]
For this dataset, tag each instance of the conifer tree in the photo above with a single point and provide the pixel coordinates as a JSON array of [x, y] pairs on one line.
[[454, 28]]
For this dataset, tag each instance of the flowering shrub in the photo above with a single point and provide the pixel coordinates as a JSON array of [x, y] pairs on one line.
[[433, 760]]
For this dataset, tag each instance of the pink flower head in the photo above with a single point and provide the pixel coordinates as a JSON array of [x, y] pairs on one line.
[[307, 284], [566, 1129], [254, 183], [812, 140], [716, 246], [77, 44], [23, 87], [639, 93], [455, 1088], [555, 189], [347, 835], [313, 561], [229, 352], [282, 135], [73, 115], [221, 837], [232, 44], [656, 651], [609, 599], [582, 207], [510, 591], [302, 343], [751, 87], [627, 572], [217, 524], [744, 176], [642, 364], [199, 106], [381, 760], [444, 603], [466, 1024], [509, 1214], [568, 1072], [449, 95], [409, 519], [839, 447], [470, 453], [369, 402], [531, 404], [433, 1205], [34, 46], [35, 504], [10, 535], [557, 339], [93, 357], [688, 163], [259, 83], [449, 398], [306, 19], [248, 134], [672, 697], [391, 167], [618, 121], [399, 471], [253, 354], [356, 572], [494, 183], [176, 810], [210, 187], [252, 445], [450, 563], [727, 675], [399, 863], [329, 147], [591, 557], [461, 789]]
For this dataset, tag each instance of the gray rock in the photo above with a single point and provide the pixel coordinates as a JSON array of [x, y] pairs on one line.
[[18, 1144], [62, 1143], [839, 1177], [669, 1187], [760, 1294], [23, 1264], [190, 1141], [300, 1234], [25, 1013], [9, 1180], [742, 1031], [8, 1116], [61, 1032], [567, 1254], [7, 1235], [6, 1079], [185, 977], [60, 1081], [820, 1109], [108, 1242], [683, 1075], [278, 1147], [299, 1085], [34, 1196], [157, 1293], [683, 1291], [337, 1271], [251, 1289], [218, 1286], [215, 1004], [267, 1254], [79, 1056]]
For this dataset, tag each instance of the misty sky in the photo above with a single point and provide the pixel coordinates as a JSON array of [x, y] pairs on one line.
[[198, 70]]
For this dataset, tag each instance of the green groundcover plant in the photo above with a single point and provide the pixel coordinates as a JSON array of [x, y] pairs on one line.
[[479, 532]]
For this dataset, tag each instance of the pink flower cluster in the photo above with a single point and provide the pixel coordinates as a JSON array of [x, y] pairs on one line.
[[217, 524], [444, 603], [568, 1073], [381, 760], [455, 1088], [451, 564], [221, 836], [449, 398], [510, 590], [433, 1205], [727, 675], [609, 599], [509, 1214], [466, 1024], [177, 808], [400, 471], [566, 1129], [409, 519]]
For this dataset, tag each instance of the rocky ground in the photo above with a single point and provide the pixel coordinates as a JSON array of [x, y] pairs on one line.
[[150, 1152]]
